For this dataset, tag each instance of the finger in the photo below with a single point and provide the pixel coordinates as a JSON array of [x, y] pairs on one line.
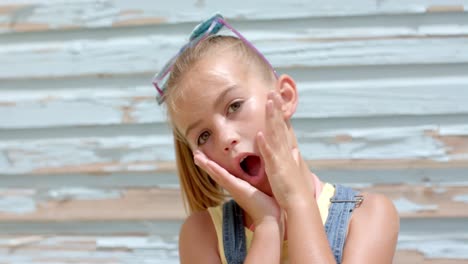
[[215, 171], [265, 150], [276, 127], [234, 185], [202, 161], [296, 155], [268, 135], [275, 98], [277, 101]]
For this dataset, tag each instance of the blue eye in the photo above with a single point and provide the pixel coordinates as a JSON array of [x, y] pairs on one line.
[[203, 138], [234, 107]]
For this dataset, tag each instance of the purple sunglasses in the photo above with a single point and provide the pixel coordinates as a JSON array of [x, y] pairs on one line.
[[208, 27]]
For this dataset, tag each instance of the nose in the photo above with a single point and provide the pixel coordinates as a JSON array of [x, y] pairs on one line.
[[229, 139], [230, 144]]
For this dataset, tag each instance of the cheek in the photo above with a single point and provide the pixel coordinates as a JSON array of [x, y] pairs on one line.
[[256, 114], [255, 108], [209, 149]]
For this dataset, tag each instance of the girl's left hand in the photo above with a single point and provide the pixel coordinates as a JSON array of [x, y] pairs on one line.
[[289, 177]]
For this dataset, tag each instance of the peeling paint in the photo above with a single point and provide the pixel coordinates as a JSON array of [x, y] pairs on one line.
[[461, 198], [142, 167], [83, 194], [98, 94], [445, 8], [345, 98], [104, 13], [134, 243], [455, 130], [130, 167], [47, 153], [4, 162], [451, 249], [17, 204], [378, 143], [18, 192], [136, 54], [380, 97], [61, 112], [440, 190], [404, 205], [123, 151]]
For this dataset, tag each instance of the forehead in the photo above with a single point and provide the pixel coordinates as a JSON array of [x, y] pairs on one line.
[[201, 85]]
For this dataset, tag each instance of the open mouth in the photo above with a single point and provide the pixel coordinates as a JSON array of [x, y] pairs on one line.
[[251, 165]]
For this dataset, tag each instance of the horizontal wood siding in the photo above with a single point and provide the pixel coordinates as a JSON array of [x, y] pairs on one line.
[[87, 170]]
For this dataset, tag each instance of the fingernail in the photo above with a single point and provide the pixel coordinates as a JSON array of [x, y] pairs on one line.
[[196, 158], [269, 106], [260, 137], [269, 95]]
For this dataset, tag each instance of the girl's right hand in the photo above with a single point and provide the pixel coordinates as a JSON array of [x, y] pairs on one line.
[[260, 207]]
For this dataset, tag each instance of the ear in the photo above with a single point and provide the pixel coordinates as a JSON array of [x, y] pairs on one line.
[[286, 87]]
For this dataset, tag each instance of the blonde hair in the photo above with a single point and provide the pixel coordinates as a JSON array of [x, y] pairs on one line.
[[199, 191]]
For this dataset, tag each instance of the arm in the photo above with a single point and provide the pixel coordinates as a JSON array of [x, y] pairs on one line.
[[308, 241], [266, 243], [198, 241], [373, 232]]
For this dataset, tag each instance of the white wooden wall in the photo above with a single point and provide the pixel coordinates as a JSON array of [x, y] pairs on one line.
[[86, 160]]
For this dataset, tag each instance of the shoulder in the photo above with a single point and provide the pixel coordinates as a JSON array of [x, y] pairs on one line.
[[197, 239], [374, 227], [376, 207]]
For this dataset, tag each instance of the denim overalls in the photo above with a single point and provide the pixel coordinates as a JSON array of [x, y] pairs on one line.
[[342, 205]]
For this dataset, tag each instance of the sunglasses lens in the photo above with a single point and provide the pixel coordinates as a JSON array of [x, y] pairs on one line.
[[162, 82], [208, 27]]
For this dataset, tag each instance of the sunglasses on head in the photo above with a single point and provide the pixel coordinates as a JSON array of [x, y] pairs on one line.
[[207, 28]]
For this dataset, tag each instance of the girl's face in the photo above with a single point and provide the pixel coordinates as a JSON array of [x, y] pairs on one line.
[[220, 109]]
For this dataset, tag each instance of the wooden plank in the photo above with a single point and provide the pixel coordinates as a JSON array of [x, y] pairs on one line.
[[118, 249], [116, 255], [133, 105], [415, 257], [317, 29], [356, 173], [95, 241], [99, 249], [423, 201], [30, 15], [88, 204], [148, 53], [155, 152]]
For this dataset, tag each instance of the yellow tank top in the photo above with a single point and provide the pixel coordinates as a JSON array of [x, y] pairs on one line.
[[216, 214]]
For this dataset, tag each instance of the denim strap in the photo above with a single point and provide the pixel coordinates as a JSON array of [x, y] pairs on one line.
[[336, 226], [233, 233]]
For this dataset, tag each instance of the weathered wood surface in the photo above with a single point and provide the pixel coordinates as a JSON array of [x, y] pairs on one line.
[[95, 204], [86, 162], [127, 249], [123, 242], [34, 15]]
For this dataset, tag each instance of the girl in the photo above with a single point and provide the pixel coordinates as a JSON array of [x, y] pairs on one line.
[[230, 114]]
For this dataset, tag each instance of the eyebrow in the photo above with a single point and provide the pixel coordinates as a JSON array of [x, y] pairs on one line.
[[216, 104]]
